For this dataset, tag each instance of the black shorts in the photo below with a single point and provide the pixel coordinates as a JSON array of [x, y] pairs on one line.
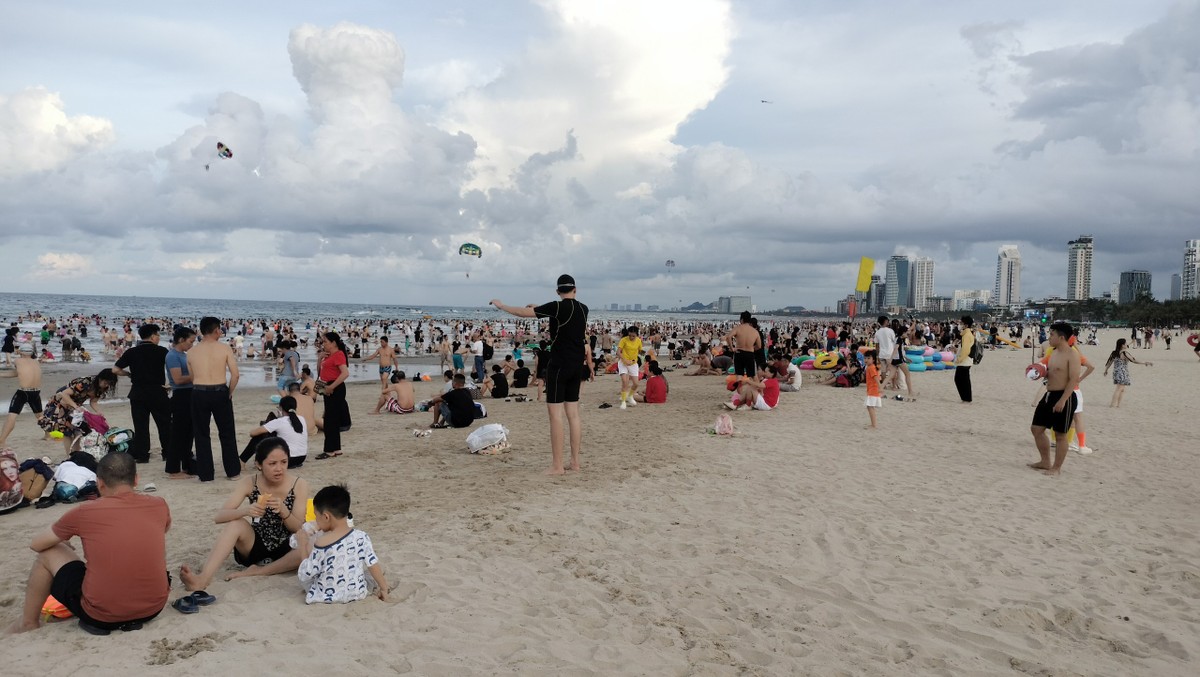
[[897, 361], [1045, 416], [22, 397], [67, 588], [259, 552], [745, 363], [562, 384]]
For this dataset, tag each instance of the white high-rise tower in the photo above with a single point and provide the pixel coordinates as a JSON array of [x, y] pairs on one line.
[[1008, 276], [1189, 282], [1079, 268], [922, 283]]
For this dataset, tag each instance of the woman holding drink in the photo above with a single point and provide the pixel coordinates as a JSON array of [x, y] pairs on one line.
[[260, 515]]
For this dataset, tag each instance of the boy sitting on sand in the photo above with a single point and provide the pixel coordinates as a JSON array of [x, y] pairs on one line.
[[340, 558]]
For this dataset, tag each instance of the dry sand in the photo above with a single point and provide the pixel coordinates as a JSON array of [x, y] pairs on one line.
[[803, 545]]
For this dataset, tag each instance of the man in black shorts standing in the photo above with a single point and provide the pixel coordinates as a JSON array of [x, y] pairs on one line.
[[569, 353], [1056, 409]]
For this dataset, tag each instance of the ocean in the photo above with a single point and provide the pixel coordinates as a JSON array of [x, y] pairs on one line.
[[113, 308]]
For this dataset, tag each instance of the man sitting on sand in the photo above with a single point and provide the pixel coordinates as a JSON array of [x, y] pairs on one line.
[[123, 582], [454, 408], [398, 398], [759, 392]]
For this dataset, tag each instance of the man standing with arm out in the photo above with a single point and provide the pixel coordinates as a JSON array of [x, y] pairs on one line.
[[147, 394], [212, 397], [569, 351], [29, 391]]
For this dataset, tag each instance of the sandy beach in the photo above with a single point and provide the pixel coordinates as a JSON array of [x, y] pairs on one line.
[[802, 545]]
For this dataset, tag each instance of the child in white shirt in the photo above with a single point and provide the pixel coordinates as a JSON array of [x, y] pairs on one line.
[[338, 559]]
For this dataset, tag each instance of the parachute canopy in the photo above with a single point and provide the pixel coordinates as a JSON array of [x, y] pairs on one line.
[[670, 263], [470, 249], [223, 153]]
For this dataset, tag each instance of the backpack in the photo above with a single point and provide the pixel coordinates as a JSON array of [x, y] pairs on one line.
[[118, 440], [488, 351], [976, 353]]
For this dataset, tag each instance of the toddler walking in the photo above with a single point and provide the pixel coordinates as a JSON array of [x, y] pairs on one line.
[[339, 557]]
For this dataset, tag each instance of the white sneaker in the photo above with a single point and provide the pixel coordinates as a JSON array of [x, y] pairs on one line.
[[1083, 450], [1074, 446], [729, 405], [632, 401], [623, 404]]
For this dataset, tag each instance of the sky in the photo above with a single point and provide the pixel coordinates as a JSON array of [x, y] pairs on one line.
[[763, 146]]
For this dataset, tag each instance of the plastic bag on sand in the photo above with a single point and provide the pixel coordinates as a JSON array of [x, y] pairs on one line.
[[491, 438], [723, 426]]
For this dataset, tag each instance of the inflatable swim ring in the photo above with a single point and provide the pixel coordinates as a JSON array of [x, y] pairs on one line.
[[1193, 340], [827, 361], [1035, 371], [917, 366], [807, 365]]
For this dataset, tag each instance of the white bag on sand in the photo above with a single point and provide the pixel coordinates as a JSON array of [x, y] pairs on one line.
[[492, 435]]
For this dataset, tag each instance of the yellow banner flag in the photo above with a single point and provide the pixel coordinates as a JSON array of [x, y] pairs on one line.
[[866, 268]]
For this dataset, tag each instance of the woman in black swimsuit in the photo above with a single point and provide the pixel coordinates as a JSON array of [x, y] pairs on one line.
[[260, 515]]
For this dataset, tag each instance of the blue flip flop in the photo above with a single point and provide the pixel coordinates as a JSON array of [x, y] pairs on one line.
[[202, 598], [185, 605]]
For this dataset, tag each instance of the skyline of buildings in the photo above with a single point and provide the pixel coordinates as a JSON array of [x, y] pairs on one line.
[[1079, 268], [898, 290]]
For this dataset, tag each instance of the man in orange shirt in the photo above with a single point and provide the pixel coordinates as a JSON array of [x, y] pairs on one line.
[[124, 538]]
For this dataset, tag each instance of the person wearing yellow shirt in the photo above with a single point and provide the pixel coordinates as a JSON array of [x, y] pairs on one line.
[[963, 361], [628, 349]]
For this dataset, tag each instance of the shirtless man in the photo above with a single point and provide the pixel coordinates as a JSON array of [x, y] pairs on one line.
[[747, 341], [1057, 407], [398, 397], [29, 382], [387, 362], [212, 397]]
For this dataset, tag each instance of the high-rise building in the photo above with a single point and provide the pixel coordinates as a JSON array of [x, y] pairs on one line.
[[899, 282], [875, 294], [739, 303], [1079, 268], [1134, 284], [1189, 281], [922, 273], [971, 299], [1176, 286], [1008, 276]]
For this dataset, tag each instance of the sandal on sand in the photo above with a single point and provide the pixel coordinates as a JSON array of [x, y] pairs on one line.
[[439, 425], [606, 405], [202, 598], [186, 605], [322, 456]]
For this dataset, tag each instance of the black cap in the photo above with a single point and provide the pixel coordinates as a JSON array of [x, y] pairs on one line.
[[566, 283]]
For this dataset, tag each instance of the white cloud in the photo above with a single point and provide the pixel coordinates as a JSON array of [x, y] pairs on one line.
[[58, 265], [36, 134]]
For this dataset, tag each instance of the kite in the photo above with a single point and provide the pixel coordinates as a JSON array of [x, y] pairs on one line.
[[223, 152], [470, 249], [670, 265]]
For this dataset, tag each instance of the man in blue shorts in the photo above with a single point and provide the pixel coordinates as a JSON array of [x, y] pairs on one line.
[[569, 353]]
